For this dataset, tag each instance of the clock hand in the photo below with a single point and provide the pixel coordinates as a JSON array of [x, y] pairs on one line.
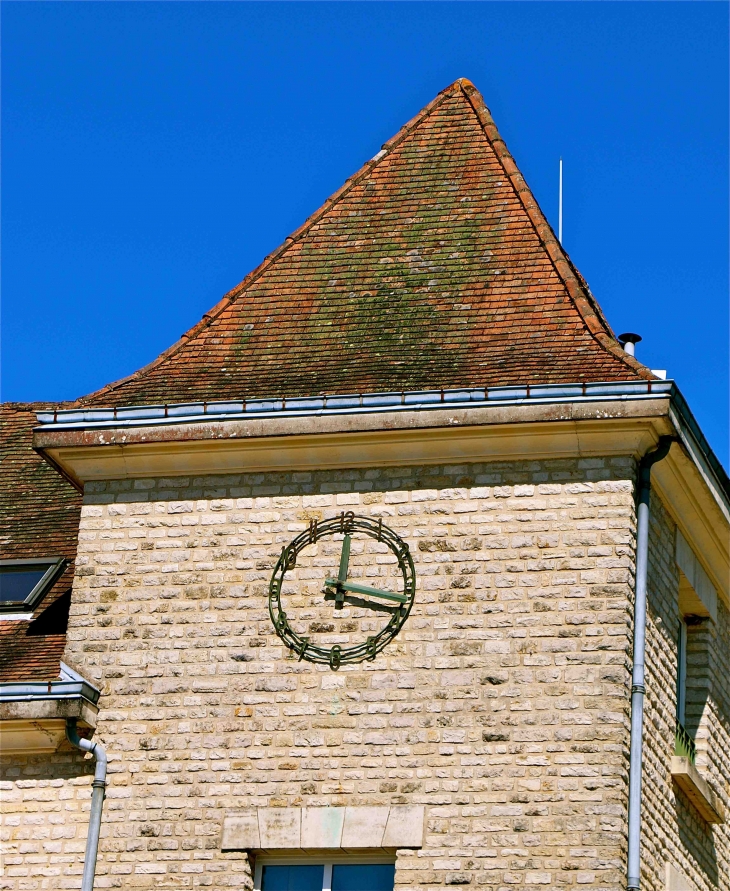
[[342, 575], [366, 589], [344, 559]]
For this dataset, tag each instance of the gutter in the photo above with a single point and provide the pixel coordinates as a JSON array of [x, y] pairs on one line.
[[638, 690], [140, 418], [70, 686], [363, 403], [694, 442]]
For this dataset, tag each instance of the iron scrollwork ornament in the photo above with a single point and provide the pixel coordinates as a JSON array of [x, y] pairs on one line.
[[342, 590]]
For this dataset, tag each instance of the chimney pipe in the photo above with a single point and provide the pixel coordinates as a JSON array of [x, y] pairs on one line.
[[628, 341]]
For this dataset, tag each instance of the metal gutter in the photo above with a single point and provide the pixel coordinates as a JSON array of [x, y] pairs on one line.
[[412, 400], [700, 452], [70, 686], [173, 414]]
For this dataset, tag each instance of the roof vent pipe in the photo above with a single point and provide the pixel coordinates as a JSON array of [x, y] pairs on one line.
[[628, 341]]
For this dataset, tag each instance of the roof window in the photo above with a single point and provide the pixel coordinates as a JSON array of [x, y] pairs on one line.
[[24, 582]]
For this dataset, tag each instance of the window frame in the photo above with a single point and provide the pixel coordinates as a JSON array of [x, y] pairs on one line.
[[327, 860], [681, 670], [56, 567]]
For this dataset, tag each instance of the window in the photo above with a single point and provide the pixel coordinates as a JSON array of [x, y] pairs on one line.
[[684, 744], [324, 877], [697, 608], [24, 582]]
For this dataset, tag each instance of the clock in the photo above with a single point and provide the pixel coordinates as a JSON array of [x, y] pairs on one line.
[[381, 610]]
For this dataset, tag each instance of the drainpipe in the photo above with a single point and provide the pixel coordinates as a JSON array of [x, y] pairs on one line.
[[637, 672], [97, 800]]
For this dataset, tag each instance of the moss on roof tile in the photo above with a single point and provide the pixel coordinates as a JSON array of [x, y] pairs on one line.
[[431, 267]]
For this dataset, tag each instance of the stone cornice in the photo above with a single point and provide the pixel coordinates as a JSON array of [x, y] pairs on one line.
[[526, 431], [484, 433]]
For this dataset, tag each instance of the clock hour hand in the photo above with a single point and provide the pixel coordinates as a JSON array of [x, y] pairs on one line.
[[342, 574], [356, 588], [344, 559]]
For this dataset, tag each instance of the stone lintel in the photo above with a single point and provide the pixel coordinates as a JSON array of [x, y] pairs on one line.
[[689, 780], [404, 828], [280, 827], [323, 829], [241, 831], [364, 827]]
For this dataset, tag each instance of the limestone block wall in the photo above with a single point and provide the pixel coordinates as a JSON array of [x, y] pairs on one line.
[[674, 833], [44, 807], [502, 707]]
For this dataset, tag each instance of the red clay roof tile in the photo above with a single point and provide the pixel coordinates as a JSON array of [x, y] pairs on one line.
[[39, 517], [432, 267]]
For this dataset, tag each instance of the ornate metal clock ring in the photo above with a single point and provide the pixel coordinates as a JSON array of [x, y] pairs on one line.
[[342, 591]]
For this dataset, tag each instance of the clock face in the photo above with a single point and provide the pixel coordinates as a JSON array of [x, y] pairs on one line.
[[341, 590]]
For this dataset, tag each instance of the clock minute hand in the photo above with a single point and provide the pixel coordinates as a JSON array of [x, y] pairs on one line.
[[366, 589]]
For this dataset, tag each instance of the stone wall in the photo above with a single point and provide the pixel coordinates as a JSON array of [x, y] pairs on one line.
[[673, 832], [502, 707], [44, 802]]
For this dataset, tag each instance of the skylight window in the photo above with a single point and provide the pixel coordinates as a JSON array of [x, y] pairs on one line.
[[24, 582]]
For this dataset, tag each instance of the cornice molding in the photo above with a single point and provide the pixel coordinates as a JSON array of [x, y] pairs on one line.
[[488, 433], [400, 438]]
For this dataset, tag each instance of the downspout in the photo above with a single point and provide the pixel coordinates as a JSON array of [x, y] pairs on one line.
[[637, 672], [97, 800]]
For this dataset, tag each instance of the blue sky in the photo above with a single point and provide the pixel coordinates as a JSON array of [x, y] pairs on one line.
[[154, 153]]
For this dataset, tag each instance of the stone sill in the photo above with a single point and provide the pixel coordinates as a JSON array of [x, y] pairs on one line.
[[689, 780], [323, 829]]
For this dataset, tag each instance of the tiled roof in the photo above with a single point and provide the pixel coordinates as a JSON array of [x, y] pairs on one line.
[[433, 266], [39, 517]]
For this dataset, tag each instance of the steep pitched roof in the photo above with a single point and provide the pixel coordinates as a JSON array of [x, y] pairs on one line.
[[432, 267], [39, 517]]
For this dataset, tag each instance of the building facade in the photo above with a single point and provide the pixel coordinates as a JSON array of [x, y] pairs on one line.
[[383, 640]]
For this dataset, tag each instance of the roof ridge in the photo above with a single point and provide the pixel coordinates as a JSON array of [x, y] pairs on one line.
[[576, 286], [231, 296]]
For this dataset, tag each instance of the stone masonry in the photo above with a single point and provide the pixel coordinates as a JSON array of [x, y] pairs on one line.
[[502, 707], [673, 832], [44, 804]]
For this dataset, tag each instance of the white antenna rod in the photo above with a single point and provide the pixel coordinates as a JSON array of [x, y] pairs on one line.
[[560, 205]]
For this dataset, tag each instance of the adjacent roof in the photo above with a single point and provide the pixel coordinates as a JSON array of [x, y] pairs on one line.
[[432, 267], [39, 517]]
